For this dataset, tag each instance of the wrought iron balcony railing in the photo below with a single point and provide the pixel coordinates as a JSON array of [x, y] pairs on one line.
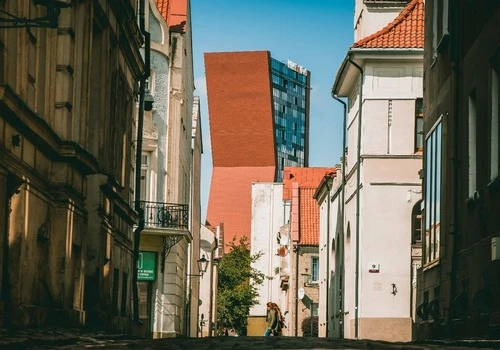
[[165, 215]]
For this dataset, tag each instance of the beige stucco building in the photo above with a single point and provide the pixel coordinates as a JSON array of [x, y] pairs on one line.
[[381, 77], [66, 130]]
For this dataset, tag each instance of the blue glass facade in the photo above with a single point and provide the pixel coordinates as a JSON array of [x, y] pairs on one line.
[[290, 84]]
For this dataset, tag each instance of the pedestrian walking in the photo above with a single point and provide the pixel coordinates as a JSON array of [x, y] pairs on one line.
[[271, 318]]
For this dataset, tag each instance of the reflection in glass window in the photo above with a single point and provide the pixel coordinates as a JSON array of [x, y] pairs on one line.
[[419, 124], [432, 207]]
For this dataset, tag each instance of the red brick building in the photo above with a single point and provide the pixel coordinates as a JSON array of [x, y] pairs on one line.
[[259, 117]]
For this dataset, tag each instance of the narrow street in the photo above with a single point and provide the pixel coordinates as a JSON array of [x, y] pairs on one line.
[[77, 339]]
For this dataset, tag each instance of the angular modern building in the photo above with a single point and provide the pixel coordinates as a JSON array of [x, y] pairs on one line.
[[259, 122]]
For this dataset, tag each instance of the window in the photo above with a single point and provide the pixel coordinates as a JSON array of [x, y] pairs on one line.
[[314, 269], [419, 124], [432, 183], [440, 31], [145, 176], [472, 145], [494, 125], [416, 222]]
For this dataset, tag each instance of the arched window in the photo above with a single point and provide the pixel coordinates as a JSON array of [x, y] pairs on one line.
[[416, 223]]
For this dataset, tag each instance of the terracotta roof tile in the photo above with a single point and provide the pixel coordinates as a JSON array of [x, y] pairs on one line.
[[304, 176], [405, 32], [175, 13], [308, 216], [163, 6]]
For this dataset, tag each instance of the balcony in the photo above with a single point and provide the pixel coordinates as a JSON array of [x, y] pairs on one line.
[[165, 219]]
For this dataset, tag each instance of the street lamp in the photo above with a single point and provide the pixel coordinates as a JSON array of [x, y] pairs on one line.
[[202, 266], [50, 20]]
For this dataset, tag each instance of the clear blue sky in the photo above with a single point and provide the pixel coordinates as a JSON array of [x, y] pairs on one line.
[[316, 34]]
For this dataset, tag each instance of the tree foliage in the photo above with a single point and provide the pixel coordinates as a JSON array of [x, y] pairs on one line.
[[237, 291]]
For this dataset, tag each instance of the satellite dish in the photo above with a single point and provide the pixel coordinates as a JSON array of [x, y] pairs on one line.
[[282, 251], [301, 293]]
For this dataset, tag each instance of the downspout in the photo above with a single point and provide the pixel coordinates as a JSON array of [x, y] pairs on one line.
[[138, 159], [455, 67], [328, 250], [297, 249], [344, 141], [358, 184], [211, 321]]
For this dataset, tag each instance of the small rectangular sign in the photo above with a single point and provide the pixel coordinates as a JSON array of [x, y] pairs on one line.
[[374, 268], [146, 266]]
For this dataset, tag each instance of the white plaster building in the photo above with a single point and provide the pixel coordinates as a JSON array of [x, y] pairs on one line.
[[382, 175], [268, 215]]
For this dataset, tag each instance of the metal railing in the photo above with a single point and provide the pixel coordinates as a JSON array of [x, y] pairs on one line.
[[165, 215]]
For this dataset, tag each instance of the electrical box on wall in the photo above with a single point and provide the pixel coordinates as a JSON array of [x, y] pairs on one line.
[[495, 248]]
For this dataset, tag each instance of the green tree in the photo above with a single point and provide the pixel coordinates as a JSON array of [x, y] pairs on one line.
[[237, 291]]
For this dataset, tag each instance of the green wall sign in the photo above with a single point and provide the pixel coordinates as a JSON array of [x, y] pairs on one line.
[[146, 266]]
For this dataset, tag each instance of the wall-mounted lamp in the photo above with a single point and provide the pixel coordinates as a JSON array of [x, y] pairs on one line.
[[148, 101], [305, 277], [202, 266]]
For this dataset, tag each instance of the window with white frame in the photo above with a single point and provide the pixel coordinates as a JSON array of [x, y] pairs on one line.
[[494, 125], [432, 200], [314, 269], [472, 145], [145, 176]]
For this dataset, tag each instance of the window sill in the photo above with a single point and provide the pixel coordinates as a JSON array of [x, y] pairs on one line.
[[430, 265], [313, 284]]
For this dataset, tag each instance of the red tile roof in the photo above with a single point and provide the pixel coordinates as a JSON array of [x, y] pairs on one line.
[[306, 177], [175, 13], [308, 217], [231, 198], [163, 6], [405, 32]]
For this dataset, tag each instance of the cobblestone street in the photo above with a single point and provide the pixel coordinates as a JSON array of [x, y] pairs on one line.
[[79, 339]]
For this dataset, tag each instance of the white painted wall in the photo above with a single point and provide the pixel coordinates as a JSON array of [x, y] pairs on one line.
[[390, 186], [268, 216]]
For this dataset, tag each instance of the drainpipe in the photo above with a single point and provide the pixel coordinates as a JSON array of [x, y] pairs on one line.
[[138, 158], [358, 184], [344, 126], [455, 70], [213, 266], [328, 250], [297, 249]]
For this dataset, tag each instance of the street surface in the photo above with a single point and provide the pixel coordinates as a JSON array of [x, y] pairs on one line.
[[80, 339]]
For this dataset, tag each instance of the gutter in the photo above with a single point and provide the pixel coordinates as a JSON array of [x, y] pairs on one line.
[[138, 159]]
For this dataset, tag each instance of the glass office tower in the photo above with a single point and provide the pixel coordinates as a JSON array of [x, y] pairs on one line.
[[290, 84]]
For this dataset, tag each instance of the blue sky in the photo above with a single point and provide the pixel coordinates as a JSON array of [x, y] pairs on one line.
[[316, 34]]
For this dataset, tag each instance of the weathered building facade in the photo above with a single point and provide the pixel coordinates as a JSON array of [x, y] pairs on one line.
[[459, 279], [170, 178], [66, 130]]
